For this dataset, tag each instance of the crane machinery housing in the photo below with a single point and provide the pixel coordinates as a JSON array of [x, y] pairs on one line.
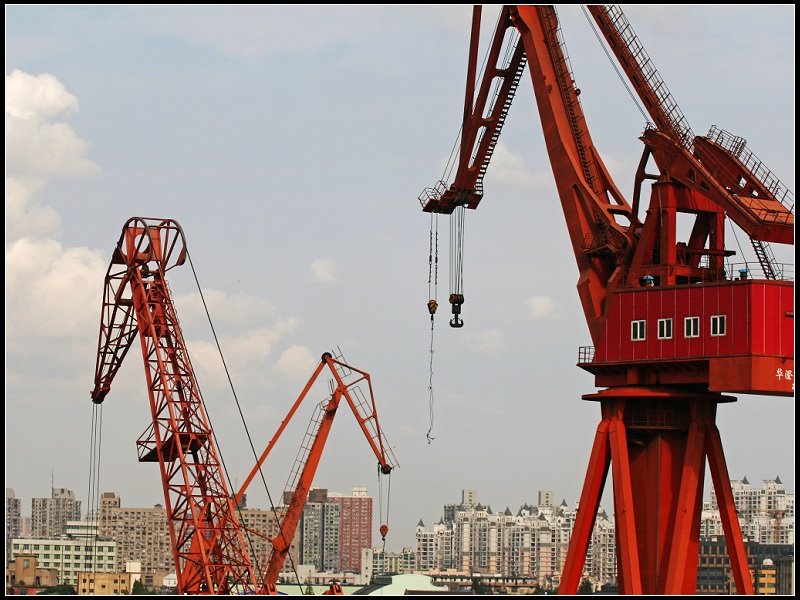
[[672, 328], [208, 540]]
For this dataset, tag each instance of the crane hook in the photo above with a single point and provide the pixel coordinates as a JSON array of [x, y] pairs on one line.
[[456, 300]]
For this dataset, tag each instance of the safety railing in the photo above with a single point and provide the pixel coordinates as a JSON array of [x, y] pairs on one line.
[[737, 146]]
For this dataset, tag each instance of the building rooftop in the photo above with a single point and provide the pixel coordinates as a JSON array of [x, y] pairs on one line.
[[400, 585]]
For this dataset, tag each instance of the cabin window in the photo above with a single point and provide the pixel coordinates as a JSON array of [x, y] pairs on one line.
[[637, 330], [717, 325], [665, 329], [691, 327]]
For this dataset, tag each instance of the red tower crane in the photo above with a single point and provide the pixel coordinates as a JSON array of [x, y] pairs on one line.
[[206, 537], [672, 330]]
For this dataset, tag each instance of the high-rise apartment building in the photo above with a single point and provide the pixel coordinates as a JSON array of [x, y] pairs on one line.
[[468, 499], [533, 543], [140, 533], [355, 527], [25, 527], [320, 531], [259, 547], [13, 517], [530, 544], [49, 516], [766, 513]]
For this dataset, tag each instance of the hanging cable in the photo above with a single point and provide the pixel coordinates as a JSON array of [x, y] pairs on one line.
[[95, 508], [741, 251], [92, 453], [388, 501], [384, 529], [457, 264], [93, 491], [433, 275], [249, 438], [428, 435]]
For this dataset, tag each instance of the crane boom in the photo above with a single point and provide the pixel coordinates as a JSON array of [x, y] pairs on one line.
[[305, 467], [599, 219], [754, 199], [207, 543]]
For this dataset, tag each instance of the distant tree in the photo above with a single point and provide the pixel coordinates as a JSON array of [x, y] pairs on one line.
[[478, 587], [138, 589], [58, 590], [585, 587], [309, 591]]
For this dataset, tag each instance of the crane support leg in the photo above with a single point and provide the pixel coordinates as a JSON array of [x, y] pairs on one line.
[[628, 569], [656, 440], [727, 512], [680, 567], [587, 512]]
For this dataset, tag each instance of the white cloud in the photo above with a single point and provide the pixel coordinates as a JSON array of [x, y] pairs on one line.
[[324, 270], [488, 341], [242, 353], [24, 216], [35, 145], [52, 291], [233, 309], [542, 308], [36, 149], [39, 96], [296, 362], [509, 169]]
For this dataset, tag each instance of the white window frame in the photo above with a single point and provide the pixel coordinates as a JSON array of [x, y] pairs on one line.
[[718, 325], [687, 333], [667, 323], [635, 329]]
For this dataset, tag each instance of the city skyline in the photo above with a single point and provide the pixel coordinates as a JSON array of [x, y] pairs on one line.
[[291, 144], [553, 496], [528, 545]]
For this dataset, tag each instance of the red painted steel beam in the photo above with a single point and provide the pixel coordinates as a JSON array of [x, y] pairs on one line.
[[687, 507], [593, 485], [629, 574], [727, 511]]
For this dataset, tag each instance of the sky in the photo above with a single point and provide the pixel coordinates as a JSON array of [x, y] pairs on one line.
[[291, 144]]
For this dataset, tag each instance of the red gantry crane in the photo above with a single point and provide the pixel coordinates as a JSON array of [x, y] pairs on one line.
[[207, 538], [672, 329]]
